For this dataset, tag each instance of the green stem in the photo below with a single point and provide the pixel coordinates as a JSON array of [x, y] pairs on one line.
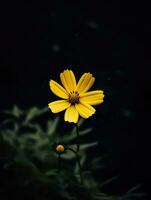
[[79, 164], [59, 163], [77, 154], [77, 131]]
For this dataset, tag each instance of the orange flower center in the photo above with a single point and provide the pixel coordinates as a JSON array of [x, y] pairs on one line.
[[73, 97]]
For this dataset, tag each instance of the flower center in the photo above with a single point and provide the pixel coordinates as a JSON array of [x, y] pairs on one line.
[[73, 97]]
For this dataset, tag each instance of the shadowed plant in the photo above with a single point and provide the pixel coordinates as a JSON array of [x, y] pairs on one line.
[[29, 163]]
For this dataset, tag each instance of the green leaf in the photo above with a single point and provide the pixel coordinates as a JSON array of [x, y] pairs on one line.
[[35, 126], [16, 112], [83, 132], [109, 181], [9, 136], [86, 131], [81, 121], [134, 188], [82, 162], [68, 138], [7, 121], [68, 155], [26, 167], [87, 145], [52, 126], [52, 172], [96, 163], [35, 112]]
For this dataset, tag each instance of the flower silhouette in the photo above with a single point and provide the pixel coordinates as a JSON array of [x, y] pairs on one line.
[[75, 98]]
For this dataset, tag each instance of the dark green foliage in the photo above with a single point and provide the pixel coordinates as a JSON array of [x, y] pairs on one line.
[[29, 163]]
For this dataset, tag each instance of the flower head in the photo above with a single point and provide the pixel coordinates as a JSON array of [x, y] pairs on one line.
[[76, 99], [60, 148]]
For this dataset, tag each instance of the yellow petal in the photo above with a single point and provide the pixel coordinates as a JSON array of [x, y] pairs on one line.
[[68, 80], [85, 110], [58, 89], [58, 106], [93, 97], [85, 83], [71, 114]]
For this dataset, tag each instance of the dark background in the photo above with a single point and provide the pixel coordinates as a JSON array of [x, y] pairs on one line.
[[38, 41]]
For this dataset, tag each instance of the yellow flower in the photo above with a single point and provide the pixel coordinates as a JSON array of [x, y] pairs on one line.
[[60, 148], [75, 98]]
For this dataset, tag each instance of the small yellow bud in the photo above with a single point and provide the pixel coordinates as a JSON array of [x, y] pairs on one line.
[[60, 148]]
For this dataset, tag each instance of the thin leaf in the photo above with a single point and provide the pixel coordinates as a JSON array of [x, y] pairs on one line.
[[96, 163], [87, 145], [17, 112], [68, 155], [52, 126], [72, 136], [35, 112], [86, 131], [6, 122], [52, 172], [109, 181], [134, 188]]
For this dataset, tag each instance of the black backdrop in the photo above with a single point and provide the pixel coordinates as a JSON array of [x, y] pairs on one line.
[[38, 41]]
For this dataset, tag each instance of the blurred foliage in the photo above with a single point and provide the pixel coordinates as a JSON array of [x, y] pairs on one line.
[[29, 163]]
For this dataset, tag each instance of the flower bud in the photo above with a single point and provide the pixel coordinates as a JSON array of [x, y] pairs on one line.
[[60, 148]]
